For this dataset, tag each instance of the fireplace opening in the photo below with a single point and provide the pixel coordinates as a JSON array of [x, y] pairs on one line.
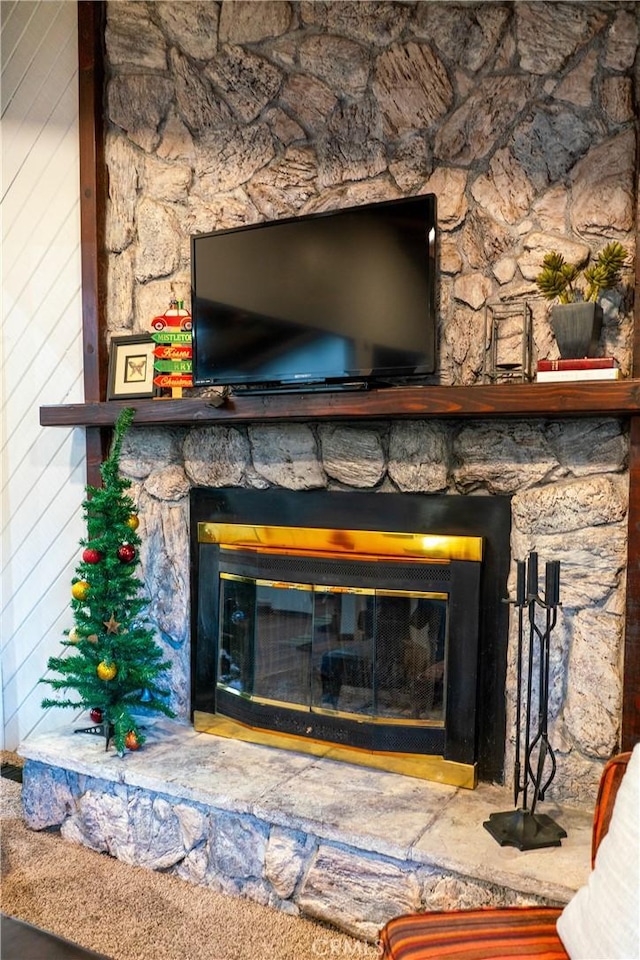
[[370, 645], [378, 655]]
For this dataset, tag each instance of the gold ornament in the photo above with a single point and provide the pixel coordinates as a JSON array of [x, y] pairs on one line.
[[80, 589], [111, 624], [74, 636], [133, 522], [93, 638], [106, 671]]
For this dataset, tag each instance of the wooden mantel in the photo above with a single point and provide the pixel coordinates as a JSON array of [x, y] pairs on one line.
[[548, 401], [543, 400]]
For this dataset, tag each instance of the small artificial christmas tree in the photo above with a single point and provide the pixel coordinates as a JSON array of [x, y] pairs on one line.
[[116, 660]]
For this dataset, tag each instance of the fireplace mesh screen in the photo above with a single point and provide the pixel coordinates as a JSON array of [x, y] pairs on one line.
[[318, 569], [376, 654]]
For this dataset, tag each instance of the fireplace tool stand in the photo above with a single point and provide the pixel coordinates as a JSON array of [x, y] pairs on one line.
[[535, 762]]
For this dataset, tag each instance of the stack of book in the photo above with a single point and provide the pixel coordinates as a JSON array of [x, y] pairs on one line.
[[584, 368]]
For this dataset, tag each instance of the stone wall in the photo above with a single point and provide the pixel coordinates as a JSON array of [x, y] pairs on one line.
[[520, 118]]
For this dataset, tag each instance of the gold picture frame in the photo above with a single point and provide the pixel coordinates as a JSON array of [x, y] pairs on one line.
[[131, 368]]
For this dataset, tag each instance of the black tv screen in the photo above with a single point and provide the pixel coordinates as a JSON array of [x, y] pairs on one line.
[[329, 298]]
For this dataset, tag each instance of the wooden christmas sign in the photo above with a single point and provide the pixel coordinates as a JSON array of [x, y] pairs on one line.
[[175, 381], [173, 351], [171, 336], [172, 355]]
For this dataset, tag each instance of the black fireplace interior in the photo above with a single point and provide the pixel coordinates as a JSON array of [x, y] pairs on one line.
[[376, 654]]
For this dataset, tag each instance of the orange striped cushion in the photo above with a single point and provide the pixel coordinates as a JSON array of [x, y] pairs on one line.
[[505, 932], [610, 780]]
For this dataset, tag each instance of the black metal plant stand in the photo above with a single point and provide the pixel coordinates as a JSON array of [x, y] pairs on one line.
[[105, 730], [535, 762]]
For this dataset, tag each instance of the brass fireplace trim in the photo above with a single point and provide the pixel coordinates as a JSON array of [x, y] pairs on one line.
[[328, 712], [323, 541], [420, 766], [328, 588]]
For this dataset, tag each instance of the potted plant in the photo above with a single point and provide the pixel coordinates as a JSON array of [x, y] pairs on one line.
[[576, 319]]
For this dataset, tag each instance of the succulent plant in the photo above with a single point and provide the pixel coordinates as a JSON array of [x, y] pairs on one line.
[[559, 279]]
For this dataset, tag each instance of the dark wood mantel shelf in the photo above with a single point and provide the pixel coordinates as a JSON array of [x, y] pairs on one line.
[[577, 399]]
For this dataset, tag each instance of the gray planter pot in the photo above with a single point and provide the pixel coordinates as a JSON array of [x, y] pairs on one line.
[[577, 328]]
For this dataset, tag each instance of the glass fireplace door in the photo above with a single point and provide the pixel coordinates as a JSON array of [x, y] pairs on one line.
[[327, 635], [358, 652]]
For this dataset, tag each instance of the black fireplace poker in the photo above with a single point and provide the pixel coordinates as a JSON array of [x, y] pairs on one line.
[[535, 762]]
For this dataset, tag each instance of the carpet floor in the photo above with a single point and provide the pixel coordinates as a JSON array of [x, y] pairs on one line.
[[129, 913]]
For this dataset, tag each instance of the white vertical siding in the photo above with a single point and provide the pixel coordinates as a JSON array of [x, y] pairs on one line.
[[43, 469]]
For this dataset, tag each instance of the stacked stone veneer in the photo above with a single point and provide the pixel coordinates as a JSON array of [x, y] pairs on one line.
[[520, 118]]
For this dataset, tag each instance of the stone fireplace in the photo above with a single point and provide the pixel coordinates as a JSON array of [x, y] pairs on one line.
[[265, 111], [528, 146], [376, 642], [345, 844], [567, 491]]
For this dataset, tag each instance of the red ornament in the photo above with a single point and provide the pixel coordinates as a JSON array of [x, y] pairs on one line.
[[90, 555], [96, 714], [131, 741], [126, 553]]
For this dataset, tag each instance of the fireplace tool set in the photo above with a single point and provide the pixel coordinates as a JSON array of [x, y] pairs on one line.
[[535, 762]]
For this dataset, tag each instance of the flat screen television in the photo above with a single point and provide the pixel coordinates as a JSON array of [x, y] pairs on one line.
[[331, 299]]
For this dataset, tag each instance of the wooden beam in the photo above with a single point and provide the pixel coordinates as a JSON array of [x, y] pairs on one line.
[[546, 400], [92, 217], [631, 668]]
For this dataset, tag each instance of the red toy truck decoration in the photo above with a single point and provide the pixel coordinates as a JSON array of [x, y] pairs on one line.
[[175, 318], [172, 355]]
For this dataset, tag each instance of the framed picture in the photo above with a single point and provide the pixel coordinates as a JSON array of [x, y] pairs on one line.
[[131, 368]]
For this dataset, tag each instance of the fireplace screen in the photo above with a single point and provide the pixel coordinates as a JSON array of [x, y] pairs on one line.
[[365, 627], [344, 650], [362, 639]]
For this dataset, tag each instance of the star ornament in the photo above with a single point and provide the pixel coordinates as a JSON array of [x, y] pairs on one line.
[[111, 624]]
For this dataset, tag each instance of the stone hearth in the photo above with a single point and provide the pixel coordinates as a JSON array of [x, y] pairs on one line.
[[342, 844]]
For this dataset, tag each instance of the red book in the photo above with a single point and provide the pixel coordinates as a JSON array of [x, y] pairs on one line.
[[581, 363]]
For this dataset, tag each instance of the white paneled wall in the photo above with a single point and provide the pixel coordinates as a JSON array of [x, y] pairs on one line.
[[43, 469]]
